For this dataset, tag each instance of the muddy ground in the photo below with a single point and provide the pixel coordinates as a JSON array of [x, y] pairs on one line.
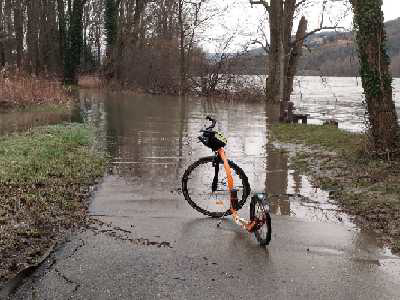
[[367, 190]]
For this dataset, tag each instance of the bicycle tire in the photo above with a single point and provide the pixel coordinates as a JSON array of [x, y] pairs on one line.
[[209, 159], [262, 234]]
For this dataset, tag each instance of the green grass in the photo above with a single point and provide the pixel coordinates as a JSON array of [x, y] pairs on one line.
[[329, 137], [45, 179], [46, 152]]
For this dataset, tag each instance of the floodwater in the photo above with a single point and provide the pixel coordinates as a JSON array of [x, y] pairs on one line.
[[315, 251], [155, 138], [23, 120], [325, 98], [339, 98]]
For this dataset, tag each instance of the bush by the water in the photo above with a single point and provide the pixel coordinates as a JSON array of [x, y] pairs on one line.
[[21, 90]]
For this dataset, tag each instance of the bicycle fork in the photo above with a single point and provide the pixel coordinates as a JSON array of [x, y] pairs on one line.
[[234, 201]]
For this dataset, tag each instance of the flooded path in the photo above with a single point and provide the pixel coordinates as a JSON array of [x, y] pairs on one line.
[[23, 120], [148, 243]]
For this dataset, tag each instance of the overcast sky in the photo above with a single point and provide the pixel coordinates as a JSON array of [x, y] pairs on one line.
[[238, 16]]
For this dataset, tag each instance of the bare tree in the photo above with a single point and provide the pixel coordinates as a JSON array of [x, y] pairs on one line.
[[19, 31], [283, 52], [3, 36], [32, 40], [189, 20]]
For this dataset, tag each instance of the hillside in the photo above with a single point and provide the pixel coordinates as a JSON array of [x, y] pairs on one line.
[[327, 53]]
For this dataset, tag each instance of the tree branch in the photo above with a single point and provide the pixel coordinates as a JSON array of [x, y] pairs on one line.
[[263, 2], [265, 47], [315, 31], [298, 4]]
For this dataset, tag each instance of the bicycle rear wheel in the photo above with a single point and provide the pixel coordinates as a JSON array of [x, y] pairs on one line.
[[197, 187], [259, 212]]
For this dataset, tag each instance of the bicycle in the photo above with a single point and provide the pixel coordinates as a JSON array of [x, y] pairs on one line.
[[203, 194]]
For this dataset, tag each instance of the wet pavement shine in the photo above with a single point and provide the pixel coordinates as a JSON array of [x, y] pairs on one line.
[[148, 243]]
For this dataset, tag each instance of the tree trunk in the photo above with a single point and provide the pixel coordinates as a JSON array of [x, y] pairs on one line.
[[110, 26], [297, 51], [53, 38], [9, 31], [2, 37], [375, 76], [74, 48], [44, 47], [287, 27], [32, 37], [283, 55], [137, 17], [19, 31], [274, 57], [281, 16], [62, 31]]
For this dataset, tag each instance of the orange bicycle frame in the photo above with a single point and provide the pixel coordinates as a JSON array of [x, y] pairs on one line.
[[242, 222]]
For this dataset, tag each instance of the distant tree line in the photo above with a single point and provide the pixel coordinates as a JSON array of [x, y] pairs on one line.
[[336, 56], [327, 61]]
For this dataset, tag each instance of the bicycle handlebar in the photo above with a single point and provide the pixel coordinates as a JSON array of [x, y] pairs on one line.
[[212, 124]]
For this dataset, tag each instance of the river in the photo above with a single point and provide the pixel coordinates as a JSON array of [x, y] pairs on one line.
[[340, 98]]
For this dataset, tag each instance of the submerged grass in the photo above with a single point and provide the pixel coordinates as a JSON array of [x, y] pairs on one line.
[[368, 188], [58, 108], [45, 179], [329, 137]]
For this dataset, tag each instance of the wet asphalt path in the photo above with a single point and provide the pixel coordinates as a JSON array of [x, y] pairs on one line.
[[167, 251], [148, 243]]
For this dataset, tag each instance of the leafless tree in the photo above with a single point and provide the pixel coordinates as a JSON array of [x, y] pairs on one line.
[[283, 51]]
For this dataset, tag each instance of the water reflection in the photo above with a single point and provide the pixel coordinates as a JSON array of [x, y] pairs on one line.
[[22, 121], [276, 182], [152, 140]]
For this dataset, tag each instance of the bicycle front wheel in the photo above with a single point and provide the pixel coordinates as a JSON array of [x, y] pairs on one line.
[[197, 187], [259, 213]]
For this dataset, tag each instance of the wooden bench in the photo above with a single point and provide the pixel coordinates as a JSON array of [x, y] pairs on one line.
[[302, 117]]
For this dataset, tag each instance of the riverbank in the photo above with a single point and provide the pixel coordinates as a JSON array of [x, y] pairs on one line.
[[20, 91], [236, 90], [367, 188], [46, 175]]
